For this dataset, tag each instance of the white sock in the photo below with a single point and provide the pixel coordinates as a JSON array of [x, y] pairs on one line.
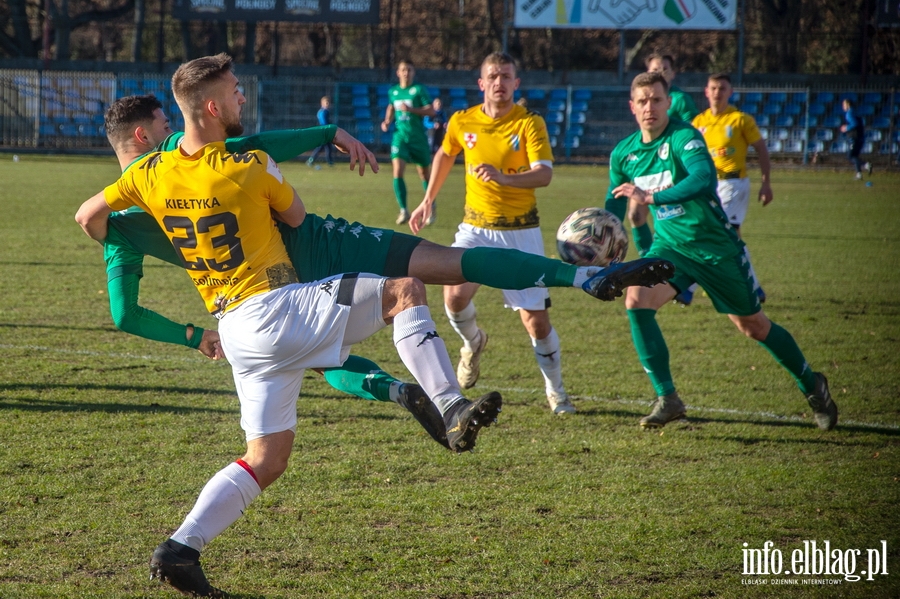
[[221, 502], [584, 273], [425, 355], [394, 391], [752, 272], [463, 322], [547, 353]]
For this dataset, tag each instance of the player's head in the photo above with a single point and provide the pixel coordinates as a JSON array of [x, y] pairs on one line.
[[847, 104], [406, 72], [650, 102], [718, 90], [662, 63], [437, 103], [206, 88], [498, 78], [136, 121], [325, 102]]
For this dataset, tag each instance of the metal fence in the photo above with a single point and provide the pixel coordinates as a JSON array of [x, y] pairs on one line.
[[59, 110]]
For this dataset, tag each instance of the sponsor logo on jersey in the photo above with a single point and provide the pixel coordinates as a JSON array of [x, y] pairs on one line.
[[655, 182], [540, 282], [470, 140], [514, 142], [152, 161], [273, 170], [728, 131], [244, 158], [693, 145], [663, 151], [631, 157], [667, 212]]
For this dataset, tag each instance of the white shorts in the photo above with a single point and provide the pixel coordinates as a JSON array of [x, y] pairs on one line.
[[271, 338], [735, 197], [526, 240]]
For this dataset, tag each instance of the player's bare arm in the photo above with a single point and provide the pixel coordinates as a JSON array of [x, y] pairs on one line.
[[538, 176], [765, 189], [92, 217], [294, 214], [388, 118], [633, 193], [358, 153], [440, 168]]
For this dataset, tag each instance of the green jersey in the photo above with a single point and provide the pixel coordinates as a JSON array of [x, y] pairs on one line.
[[683, 106], [409, 124], [677, 169]]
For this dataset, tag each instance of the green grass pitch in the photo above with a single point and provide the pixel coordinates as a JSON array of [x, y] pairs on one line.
[[106, 439]]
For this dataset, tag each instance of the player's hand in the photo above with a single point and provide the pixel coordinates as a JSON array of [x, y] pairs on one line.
[[420, 216], [210, 345], [843, 128], [488, 173], [385, 126], [632, 192], [357, 151], [765, 194]]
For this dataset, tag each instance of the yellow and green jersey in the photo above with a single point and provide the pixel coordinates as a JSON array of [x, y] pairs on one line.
[[514, 143], [214, 207], [728, 135]]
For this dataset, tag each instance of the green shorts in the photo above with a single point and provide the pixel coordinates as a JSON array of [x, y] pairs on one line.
[[322, 247], [411, 149], [728, 284]]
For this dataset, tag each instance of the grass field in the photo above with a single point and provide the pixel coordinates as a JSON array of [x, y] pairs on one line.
[[106, 439]]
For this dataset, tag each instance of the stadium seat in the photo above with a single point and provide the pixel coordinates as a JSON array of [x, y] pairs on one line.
[[889, 149], [881, 122], [824, 98], [865, 110], [536, 94], [366, 137], [774, 145], [577, 117], [831, 121], [572, 142], [382, 90], [824, 134], [459, 103], [799, 98], [579, 106], [795, 146], [575, 130], [792, 109], [812, 121], [556, 105], [772, 108], [784, 121], [868, 147], [849, 96], [555, 117], [817, 146], [365, 127], [840, 147], [762, 120], [559, 94], [434, 92], [362, 113], [782, 134], [581, 95], [871, 98], [750, 108], [753, 97], [799, 133], [817, 109], [873, 135], [777, 97], [554, 129], [553, 140], [360, 90], [361, 102], [764, 133], [457, 92]]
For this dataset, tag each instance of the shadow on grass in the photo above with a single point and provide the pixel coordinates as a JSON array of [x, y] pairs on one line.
[[56, 327]]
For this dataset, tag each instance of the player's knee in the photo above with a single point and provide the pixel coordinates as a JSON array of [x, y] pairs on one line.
[[404, 292], [636, 216]]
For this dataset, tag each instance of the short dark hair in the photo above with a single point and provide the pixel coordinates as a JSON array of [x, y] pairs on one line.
[[649, 79], [720, 77], [192, 80], [660, 56], [126, 113]]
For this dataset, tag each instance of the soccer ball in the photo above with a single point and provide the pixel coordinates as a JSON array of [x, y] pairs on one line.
[[591, 237]]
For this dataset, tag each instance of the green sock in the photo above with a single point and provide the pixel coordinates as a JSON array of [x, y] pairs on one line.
[[513, 269], [400, 192], [362, 378], [784, 349], [651, 349], [617, 206], [643, 238], [424, 185]]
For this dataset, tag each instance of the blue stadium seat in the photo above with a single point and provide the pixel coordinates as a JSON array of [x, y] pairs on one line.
[[578, 117], [366, 137], [434, 92], [365, 127], [457, 92], [775, 145], [360, 90], [459, 103], [795, 146], [554, 129], [753, 97], [797, 98], [865, 110], [784, 120], [362, 114], [556, 105], [782, 134], [792, 109], [872, 98], [553, 141], [777, 97], [762, 120], [873, 135], [817, 109], [382, 90], [798, 133], [579, 106], [764, 133], [555, 117], [831, 121], [889, 149], [849, 96], [361, 102], [824, 97], [572, 141], [812, 121], [772, 108], [581, 95], [536, 94], [817, 146], [48, 130], [750, 108], [576, 130], [840, 147], [824, 134], [559, 94], [881, 122]]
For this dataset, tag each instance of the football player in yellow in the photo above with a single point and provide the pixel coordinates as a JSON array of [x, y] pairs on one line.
[[216, 207], [507, 156], [729, 133]]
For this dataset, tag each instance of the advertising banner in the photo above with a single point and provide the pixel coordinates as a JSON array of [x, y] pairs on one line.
[[316, 11], [627, 14]]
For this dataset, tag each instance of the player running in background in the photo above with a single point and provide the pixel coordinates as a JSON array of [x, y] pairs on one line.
[[729, 133], [856, 131], [683, 108], [408, 103], [323, 116], [507, 156], [217, 207], [666, 166]]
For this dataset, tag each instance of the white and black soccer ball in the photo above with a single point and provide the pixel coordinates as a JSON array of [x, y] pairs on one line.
[[591, 237]]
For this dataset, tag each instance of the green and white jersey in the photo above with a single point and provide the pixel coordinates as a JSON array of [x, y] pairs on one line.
[[677, 169], [683, 106], [409, 124]]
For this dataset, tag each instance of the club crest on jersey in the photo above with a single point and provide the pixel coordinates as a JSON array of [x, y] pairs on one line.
[[728, 131], [470, 139], [663, 151], [514, 142]]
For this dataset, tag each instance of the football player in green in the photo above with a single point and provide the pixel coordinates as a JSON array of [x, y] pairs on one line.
[[666, 166]]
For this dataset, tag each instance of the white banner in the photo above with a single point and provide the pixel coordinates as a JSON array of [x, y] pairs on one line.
[[627, 14]]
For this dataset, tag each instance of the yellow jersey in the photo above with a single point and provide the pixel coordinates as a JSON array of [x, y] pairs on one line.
[[728, 135], [215, 208], [514, 143]]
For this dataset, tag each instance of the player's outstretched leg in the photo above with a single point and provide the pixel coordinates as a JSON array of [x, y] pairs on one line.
[[610, 282], [179, 566], [825, 411], [413, 398], [465, 418]]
